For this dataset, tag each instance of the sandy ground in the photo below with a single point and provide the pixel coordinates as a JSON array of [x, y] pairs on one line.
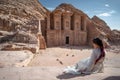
[[60, 56], [54, 73], [15, 58], [49, 64], [64, 56]]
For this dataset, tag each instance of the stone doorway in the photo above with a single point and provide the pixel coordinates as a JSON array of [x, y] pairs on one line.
[[67, 40]]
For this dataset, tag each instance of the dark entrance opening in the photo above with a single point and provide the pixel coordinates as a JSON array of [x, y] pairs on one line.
[[67, 40]]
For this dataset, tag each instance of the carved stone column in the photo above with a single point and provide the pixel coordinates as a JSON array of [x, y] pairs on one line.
[[48, 21]]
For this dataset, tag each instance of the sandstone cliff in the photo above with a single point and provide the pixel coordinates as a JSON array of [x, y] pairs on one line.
[[100, 22], [19, 18], [69, 8], [21, 15], [115, 37], [99, 28]]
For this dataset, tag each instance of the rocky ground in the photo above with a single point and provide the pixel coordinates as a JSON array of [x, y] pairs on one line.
[[49, 64], [15, 58]]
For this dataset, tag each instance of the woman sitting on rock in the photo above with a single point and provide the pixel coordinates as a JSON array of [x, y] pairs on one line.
[[93, 64]]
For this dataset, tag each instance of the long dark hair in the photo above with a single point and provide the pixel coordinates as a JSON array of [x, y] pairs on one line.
[[99, 42]]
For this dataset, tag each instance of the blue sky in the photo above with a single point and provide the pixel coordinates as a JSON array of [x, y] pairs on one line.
[[107, 10]]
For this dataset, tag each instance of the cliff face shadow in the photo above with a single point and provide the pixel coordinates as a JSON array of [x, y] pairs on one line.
[[69, 76], [112, 78]]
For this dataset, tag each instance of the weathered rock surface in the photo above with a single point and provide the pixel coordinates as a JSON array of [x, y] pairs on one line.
[[112, 35], [100, 29], [116, 37], [18, 14], [20, 18], [69, 8]]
